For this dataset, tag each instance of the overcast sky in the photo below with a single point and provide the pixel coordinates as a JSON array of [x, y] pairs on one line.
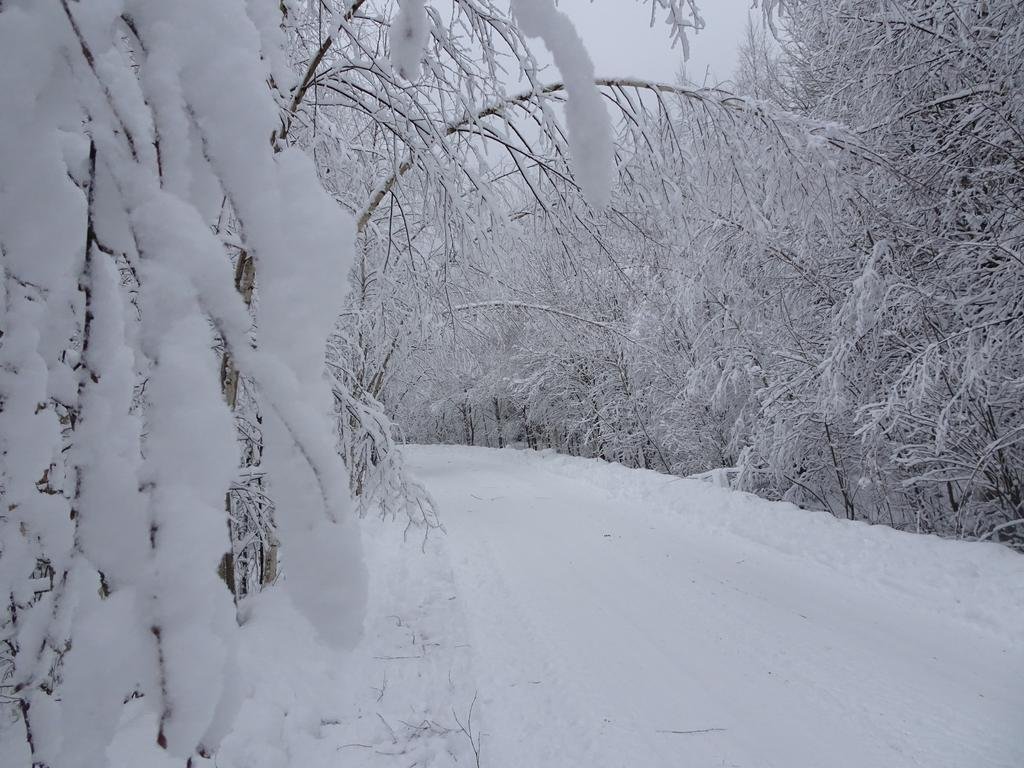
[[620, 40]]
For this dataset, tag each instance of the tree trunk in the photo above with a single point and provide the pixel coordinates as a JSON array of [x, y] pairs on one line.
[[245, 278]]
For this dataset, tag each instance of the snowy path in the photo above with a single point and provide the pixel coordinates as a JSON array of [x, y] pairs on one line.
[[607, 630]]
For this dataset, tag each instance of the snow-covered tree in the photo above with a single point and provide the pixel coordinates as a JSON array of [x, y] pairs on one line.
[[186, 190], [816, 284]]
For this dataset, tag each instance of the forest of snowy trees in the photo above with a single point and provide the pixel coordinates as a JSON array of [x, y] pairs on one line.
[[817, 284], [243, 241]]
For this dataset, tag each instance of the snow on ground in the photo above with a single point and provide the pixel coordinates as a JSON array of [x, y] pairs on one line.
[[590, 615], [624, 618]]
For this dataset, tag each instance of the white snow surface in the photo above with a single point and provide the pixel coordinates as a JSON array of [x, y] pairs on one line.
[[600, 616]]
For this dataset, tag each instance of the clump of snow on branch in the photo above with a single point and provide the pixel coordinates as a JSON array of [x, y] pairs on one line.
[[407, 38], [303, 288], [590, 132]]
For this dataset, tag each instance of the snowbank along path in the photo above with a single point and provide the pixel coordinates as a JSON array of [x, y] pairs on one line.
[[617, 617]]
